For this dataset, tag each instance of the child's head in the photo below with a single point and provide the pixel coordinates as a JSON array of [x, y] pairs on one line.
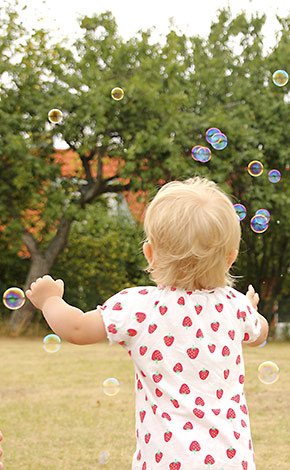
[[193, 233]]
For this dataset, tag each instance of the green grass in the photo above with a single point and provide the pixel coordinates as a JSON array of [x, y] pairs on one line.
[[54, 414]]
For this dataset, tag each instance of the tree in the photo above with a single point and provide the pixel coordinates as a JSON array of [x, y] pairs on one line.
[[173, 94]]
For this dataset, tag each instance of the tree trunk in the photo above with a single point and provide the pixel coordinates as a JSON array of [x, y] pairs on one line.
[[40, 265]]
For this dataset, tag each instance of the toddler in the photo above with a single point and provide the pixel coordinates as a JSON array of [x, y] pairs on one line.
[[184, 335]]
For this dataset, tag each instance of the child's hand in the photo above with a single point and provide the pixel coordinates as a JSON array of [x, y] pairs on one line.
[[1, 452], [253, 296], [43, 288]]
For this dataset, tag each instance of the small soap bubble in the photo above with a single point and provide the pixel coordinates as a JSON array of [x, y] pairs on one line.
[[111, 387], [265, 213], [51, 343], [219, 141], [194, 152], [268, 372], [255, 168], [241, 211], [274, 176], [280, 78], [210, 133], [201, 154], [263, 344], [55, 116], [13, 298], [259, 223], [117, 94], [103, 457]]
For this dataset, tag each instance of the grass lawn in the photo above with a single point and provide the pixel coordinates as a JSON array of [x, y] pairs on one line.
[[54, 414]]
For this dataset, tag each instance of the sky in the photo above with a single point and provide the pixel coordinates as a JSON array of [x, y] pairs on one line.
[[191, 16]]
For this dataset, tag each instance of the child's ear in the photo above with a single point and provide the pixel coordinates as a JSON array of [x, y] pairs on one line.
[[232, 257], [147, 250]]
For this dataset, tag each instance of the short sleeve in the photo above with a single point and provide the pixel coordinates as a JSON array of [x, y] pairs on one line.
[[119, 319], [252, 324]]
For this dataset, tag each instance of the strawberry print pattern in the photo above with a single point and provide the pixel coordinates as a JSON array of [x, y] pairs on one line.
[[186, 347]]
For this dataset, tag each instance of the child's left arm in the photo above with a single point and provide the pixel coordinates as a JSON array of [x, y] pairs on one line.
[[69, 322]]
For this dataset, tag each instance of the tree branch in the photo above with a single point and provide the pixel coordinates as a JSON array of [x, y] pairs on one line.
[[58, 243], [30, 242]]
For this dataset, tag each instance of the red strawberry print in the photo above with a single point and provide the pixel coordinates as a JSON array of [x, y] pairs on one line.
[[249, 310], [209, 460], [242, 315], [219, 393], [199, 334], [156, 356], [152, 328], [241, 379], [213, 432], [124, 292], [203, 374], [174, 402], [142, 414], [198, 413], [154, 408], [158, 456], [140, 317], [167, 436], [192, 352], [211, 347], [194, 447], [215, 325], [236, 398], [244, 409], [112, 328], [189, 292], [163, 309], [232, 294], [225, 351], [147, 437], [231, 452], [168, 340], [244, 465], [187, 322], [178, 368], [181, 301], [231, 334], [198, 308], [173, 289], [142, 350], [231, 414], [199, 401], [238, 360], [156, 303], [250, 444], [175, 465], [246, 337], [144, 466], [188, 426], [166, 416], [158, 392], [226, 373], [219, 307], [243, 423], [139, 455], [117, 306], [237, 435], [142, 373], [184, 389], [216, 411], [131, 332], [139, 385], [157, 377], [143, 291]]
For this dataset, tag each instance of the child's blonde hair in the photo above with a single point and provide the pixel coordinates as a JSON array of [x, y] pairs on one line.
[[192, 227]]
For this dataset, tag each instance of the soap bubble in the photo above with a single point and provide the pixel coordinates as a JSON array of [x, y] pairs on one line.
[[259, 223], [13, 298], [268, 372], [264, 212], [280, 78], [255, 168], [201, 154], [263, 344], [274, 176], [219, 141], [210, 133], [241, 211], [194, 152], [111, 387], [55, 116], [103, 456], [117, 94], [51, 343]]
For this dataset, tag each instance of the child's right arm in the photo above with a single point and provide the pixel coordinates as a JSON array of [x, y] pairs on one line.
[[254, 299]]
